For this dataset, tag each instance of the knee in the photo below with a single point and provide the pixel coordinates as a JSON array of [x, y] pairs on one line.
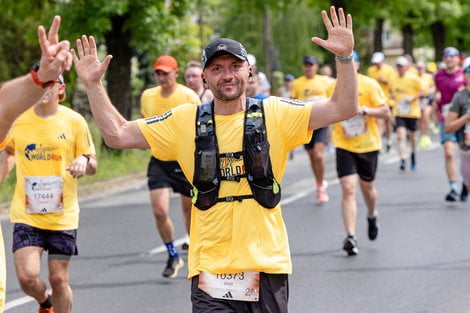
[[349, 190], [58, 282], [26, 280], [160, 215]]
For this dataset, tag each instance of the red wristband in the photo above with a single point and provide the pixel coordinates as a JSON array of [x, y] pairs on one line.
[[34, 76]]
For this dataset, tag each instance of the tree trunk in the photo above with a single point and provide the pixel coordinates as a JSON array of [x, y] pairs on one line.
[[119, 71], [407, 31], [438, 30], [268, 42], [378, 30]]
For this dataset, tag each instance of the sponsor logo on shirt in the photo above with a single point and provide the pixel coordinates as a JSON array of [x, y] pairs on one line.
[[34, 152]]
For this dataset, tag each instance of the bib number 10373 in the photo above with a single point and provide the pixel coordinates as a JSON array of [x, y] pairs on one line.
[[242, 286]]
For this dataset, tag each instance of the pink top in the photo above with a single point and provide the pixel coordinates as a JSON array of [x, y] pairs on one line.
[[448, 84]]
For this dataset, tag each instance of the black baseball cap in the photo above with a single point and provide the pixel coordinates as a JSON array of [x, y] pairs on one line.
[[310, 60], [223, 46]]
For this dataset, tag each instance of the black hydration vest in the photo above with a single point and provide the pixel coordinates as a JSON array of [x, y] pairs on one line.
[[207, 176]]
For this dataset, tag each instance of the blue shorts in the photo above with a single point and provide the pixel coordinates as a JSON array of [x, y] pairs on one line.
[[444, 136], [61, 244]]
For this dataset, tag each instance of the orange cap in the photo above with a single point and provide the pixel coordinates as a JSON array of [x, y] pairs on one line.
[[165, 63]]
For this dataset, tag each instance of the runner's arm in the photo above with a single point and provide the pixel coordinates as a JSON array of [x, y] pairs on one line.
[[19, 94], [343, 102], [454, 122], [7, 162], [117, 131], [382, 111]]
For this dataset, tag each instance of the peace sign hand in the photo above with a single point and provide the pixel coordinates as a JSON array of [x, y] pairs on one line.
[[340, 36], [89, 69], [55, 55]]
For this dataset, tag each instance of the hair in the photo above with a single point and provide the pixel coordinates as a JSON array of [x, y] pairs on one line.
[[194, 64]]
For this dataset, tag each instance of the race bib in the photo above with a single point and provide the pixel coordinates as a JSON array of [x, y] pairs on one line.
[[44, 194], [355, 126], [242, 286], [445, 109], [404, 106]]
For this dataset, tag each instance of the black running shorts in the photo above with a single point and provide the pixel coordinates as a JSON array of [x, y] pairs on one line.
[[61, 244], [165, 174], [319, 135], [363, 164], [274, 294], [409, 123]]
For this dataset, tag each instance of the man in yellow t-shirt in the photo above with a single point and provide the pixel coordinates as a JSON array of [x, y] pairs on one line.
[[162, 173], [358, 141], [312, 87], [19, 94], [241, 242], [383, 74], [52, 148], [406, 90]]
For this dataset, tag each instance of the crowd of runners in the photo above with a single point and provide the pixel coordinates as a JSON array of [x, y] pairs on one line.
[[211, 144]]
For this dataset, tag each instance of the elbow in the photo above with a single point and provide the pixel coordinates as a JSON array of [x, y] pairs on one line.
[[353, 108], [113, 142]]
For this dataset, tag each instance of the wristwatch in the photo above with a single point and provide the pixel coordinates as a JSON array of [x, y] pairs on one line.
[[34, 76], [345, 58], [363, 112]]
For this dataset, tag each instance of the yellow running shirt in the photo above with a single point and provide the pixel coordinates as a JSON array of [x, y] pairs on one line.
[[231, 237], [427, 83], [360, 134], [152, 103], [44, 148], [310, 90], [385, 72], [403, 89]]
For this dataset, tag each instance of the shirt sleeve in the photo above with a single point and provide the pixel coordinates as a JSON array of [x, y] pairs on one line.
[[377, 95], [143, 105], [160, 133], [455, 106], [293, 118], [83, 141]]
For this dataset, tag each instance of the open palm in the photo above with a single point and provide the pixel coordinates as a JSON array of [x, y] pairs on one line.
[[89, 69], [340, 36]]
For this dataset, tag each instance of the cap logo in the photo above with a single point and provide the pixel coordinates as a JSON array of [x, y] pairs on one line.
[[222, 46]]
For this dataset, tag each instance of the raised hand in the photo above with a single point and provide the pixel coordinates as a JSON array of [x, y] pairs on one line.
[[55, 55], [340, 36], [89, 69]]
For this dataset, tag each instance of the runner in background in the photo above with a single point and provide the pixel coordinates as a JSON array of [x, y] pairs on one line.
[[383, 73], [448, 81], [458, 121], [193, 79], [263, 79], [358, 142], [406, 91], [425, 102], [164, 174], [312, 87]]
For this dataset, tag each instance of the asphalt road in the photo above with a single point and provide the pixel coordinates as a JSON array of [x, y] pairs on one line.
[[420, 262]]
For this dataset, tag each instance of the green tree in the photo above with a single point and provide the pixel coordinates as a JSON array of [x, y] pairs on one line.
[[127, 28]]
